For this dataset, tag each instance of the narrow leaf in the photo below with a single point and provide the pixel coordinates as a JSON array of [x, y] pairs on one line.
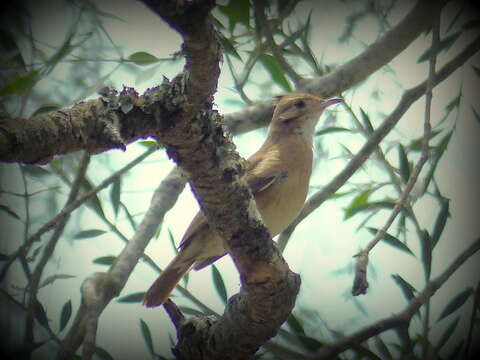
[[407, 289], [331, 129], [147, 143], [237, 11], [454, 103], [115, 195], [448, 333], [46, 108], [444, 45], [143, 58], [382, 348], [357, 201], [477, 70], [440, 222], [366, 121], [102, 353], [370, 206], [426, 245], [35, 171], [85, 234], [9, 211], [147, 336], [438, 153], [132, 298], [219, 284], [392, 240], [20, 83], [40, 313], [274, 69], [49, 280], [190, 311], [104, 260], [228, 46], [66, 314], [295, 324], [476, 114], [456, 303], [404, 166]]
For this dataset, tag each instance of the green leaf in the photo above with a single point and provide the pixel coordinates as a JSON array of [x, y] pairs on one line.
[[46, 108], [407, 289], [115, 194], [143, 58], [477, 115], [444, 45], [366, 121], [9, 211], [274, 69], [440, 221], [228, 45], [132, 298], [370, 206], [382, 348], [102, 353], [20, 83], [40, 313], [219, 284], [456, 303], [404, 165], [416, 144], [392, 240], [66, 314], [190, 311], [147, 336], [331, 129], [357, 201], [426, 245], [94, 202], [237, 11], [295, 324], [49, 280], [104, 260], [148, 143], [86, 234], [438, 153], [454, 103], [477, 70], [35, 171], [448, 333]]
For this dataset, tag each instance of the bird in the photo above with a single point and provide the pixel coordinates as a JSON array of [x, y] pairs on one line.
[[278, 175]]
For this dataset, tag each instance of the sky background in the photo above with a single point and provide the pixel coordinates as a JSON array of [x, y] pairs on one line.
[[322, 246]]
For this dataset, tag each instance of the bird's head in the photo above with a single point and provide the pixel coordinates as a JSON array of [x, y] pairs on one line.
[[298, 114]]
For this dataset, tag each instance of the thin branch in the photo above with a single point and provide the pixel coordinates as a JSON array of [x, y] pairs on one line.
[[408, 98], [47, 253], [400, 319], [349, 74], [23, 249], [100, 288]]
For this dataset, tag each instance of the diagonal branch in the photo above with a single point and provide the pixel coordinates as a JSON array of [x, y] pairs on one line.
[[360, 283], [408, 98], [401, 319], [100, 288], [349, 74]]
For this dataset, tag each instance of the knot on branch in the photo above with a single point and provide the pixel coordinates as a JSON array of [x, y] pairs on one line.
[[98, 288]]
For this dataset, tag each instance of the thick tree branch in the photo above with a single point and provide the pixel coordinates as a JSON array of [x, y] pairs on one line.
[[408, 98], [401, 319]]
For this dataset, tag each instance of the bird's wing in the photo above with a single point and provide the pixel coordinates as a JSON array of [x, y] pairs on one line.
[[262, 172]]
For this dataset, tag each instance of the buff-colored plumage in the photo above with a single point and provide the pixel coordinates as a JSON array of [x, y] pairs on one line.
[[278, 175]]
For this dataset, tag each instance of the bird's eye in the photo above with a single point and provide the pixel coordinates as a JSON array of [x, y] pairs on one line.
[[299, 104]]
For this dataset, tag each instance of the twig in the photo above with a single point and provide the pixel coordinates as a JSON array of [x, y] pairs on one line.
[[401, 319], [408, 98], [265, 25], [100, 288], [68, 209], [49, 249]]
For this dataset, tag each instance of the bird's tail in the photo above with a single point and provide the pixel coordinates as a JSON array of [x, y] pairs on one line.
[[160, 290]]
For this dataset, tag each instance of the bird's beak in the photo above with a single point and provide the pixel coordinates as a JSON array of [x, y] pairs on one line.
[[331, 101]]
